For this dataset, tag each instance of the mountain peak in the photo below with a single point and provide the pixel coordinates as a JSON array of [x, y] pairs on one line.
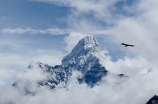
[[89, 39], [88, 43], [86, 49], [85, 57]]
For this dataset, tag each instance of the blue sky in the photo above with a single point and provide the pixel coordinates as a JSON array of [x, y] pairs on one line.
[[36, 15], [47, 30], [25, 13], [40, 15]]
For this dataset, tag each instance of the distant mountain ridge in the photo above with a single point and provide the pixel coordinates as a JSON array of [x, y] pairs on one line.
[[85, 58]]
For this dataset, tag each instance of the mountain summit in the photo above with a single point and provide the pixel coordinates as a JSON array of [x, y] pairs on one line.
[[85, 46], [84, 55], [85, 58]]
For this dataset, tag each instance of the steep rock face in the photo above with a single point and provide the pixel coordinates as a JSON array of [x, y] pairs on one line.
[[85, 57]]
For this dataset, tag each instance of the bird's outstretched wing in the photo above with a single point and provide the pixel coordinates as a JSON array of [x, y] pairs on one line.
[[131, 45], [126, 45]]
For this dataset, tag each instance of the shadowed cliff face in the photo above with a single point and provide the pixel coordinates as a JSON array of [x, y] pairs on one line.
[[85, 58]]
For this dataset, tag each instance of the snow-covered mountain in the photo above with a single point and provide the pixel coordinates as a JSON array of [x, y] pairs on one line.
[[85, 57]]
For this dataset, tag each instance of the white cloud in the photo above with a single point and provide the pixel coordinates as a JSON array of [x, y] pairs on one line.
[[50, 57], [52, 31], [11, 63], [26, 80], [129, 66]]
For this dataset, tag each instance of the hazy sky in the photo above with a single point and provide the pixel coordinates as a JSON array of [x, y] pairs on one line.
[[47, 30]]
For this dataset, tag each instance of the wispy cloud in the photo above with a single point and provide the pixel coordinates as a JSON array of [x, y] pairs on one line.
[[57, 2], [52, 31]]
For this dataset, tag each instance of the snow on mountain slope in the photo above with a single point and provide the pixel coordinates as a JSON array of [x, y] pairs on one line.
[[85, 57], [55, 77]]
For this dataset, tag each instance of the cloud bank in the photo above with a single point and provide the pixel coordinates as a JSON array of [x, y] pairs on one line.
[[137, 89]]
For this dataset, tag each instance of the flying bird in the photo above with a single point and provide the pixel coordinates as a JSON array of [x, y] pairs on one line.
[[126, 45]]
